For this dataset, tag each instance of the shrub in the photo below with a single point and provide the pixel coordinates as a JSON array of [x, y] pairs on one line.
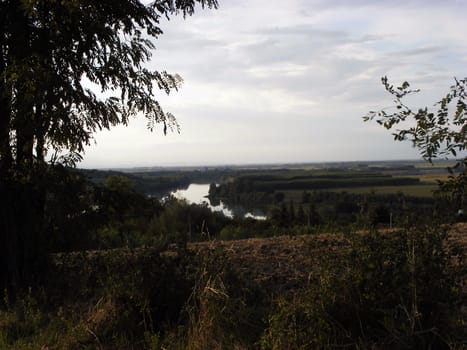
[[224, 312], [398, 290]]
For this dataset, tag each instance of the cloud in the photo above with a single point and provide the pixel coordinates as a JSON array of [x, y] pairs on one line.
[[269, 80]]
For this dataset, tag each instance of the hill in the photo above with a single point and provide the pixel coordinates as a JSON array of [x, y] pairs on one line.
[[258, 293]]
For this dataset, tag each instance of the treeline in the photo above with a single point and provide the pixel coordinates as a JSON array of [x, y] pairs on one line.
[[161, 182], [328, 210], [310, 181], [344, 209], [85, 215], [82, 214], [109, 210], [157, 184], [112, 212]]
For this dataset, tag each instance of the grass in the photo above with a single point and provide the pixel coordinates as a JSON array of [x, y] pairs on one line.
[[286, 292]]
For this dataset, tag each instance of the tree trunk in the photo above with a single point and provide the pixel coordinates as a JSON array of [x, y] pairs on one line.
[[19, 216], [6, 158], [10, 271]]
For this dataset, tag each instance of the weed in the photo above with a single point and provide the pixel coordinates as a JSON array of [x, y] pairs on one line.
[[399, 290]]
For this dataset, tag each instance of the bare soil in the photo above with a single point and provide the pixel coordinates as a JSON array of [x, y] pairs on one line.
[[287, 262], [275, 264]]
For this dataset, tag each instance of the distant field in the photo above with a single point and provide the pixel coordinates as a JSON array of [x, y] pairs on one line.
[[412, 178], [290, 182], [293, 183], [430, 178], [439, 164], [422, 190], [410, 190]]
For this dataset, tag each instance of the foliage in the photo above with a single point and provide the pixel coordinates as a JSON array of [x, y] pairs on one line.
[[438, 133], [25, 325], [138, 299], [248, 228], [54, 57], [49, 49], [224, 312], [182, 222], [399, 290], [120, 298], [316, 198], [381, 290]]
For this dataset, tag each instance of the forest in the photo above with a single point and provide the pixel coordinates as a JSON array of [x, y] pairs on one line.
[[356, 257]]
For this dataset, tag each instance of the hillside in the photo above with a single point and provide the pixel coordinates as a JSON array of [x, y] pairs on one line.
[[259, 293], [277, 264], [287, 262]]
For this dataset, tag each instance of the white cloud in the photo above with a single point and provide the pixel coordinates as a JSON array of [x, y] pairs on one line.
[[269, 80]]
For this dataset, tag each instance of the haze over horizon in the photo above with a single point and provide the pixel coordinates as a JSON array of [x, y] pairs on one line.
[[268, 82], [331, 163]]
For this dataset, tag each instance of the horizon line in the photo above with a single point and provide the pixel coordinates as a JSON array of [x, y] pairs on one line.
[[252, 164]]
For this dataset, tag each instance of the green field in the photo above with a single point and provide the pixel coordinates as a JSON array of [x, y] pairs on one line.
[[337, 181], [422, 190]]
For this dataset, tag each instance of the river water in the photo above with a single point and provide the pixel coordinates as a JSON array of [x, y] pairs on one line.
[[197, 194]]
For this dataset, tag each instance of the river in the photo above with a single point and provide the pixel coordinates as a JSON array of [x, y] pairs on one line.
[[197, 193]]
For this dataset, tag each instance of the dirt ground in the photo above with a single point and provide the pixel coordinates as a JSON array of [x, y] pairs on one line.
[[287, 262], [275, 264]]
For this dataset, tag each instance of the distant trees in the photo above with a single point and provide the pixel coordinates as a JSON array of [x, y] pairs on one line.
[[51, 53]]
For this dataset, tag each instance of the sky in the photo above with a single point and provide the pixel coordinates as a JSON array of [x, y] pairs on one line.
[[269, 81]]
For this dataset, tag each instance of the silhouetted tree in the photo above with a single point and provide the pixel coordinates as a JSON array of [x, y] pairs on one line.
[[50, 53]]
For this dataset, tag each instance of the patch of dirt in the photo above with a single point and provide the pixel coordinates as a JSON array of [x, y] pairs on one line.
[[275, 263], [287, 262]]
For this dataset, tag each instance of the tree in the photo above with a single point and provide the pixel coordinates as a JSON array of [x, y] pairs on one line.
[[435, 134], [50, 52], [439, 133]]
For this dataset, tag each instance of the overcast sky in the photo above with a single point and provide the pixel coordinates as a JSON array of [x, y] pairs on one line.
[[289, 81]]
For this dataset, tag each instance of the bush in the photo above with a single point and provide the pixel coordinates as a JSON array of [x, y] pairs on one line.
[[224, 311], [400, 290]]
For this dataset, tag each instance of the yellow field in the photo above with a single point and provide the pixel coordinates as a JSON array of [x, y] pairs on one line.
[[430, 178]]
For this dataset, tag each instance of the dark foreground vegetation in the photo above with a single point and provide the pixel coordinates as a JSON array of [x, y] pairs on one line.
[[387, 290]]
